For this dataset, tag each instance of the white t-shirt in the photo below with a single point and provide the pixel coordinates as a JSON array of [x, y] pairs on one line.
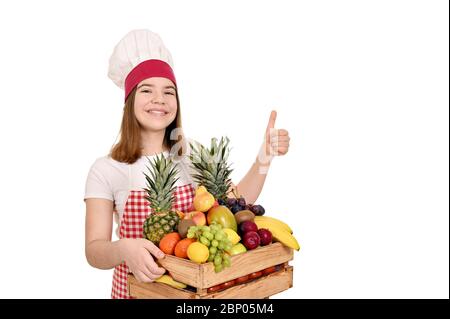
[[112, 180]]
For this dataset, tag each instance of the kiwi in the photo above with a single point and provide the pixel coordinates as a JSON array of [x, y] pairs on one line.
[[243, 215], [183, 227]]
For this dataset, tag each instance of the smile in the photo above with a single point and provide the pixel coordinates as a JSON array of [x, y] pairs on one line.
[[157, 112]]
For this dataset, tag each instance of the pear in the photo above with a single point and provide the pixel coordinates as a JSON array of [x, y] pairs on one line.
[[203, 200]]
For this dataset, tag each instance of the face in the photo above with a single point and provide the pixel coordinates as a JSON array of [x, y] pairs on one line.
[[155, 103]]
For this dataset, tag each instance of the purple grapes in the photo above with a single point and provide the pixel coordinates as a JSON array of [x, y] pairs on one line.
[[258, 210], [231, 202], [236, 205], [236, 208]]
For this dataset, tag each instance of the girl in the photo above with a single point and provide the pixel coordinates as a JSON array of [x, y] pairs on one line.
[[142, 66]]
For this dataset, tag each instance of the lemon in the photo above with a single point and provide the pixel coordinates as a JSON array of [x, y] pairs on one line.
[[232, 236], [197, 252]]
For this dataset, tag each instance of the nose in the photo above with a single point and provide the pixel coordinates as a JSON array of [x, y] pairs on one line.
[[158, 99]]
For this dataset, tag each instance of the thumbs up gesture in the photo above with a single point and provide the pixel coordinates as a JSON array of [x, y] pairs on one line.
[[276, 140]]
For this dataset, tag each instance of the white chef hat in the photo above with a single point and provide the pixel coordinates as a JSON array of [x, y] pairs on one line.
[[141, 54]]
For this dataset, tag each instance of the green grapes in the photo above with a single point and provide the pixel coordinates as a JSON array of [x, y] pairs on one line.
[[204, 241], [216, 240], [217, 260], [218, 268]]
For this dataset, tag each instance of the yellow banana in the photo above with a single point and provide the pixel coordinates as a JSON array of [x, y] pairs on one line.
[[166, 279], [279, 233], [275, 222]]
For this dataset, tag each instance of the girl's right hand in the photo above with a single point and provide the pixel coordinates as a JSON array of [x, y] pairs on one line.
[[137, 254]]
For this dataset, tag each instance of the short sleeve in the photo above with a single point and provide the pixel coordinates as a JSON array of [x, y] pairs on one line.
[[97, 183]]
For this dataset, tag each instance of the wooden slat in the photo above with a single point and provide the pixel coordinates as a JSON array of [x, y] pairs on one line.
[[246, 263], [182, 270], [261, 288], [156, 290], [202, 291]]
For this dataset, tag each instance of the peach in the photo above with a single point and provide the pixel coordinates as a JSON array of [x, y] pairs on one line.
[[199, 218]]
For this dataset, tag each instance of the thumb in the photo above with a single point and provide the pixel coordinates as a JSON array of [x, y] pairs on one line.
[[271, 124], [153, 249]]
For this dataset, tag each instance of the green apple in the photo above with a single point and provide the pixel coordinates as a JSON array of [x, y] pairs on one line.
[[237, 249]]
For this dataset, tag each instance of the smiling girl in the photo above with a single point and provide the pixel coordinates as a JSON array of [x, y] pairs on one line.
[[142, 66]]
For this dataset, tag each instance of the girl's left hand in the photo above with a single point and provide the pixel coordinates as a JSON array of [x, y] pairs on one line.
[[277, 140]]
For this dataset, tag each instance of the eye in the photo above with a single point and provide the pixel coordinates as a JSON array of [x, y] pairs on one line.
[[145, 91], [170, 93]]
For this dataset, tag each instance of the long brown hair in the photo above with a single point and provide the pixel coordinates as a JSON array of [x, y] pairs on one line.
[[128, 149]]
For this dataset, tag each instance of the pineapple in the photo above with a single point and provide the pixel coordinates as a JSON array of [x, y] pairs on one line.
[[160, 189], [211, 168]]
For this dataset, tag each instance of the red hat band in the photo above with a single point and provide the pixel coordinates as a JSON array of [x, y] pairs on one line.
[[145, 70]]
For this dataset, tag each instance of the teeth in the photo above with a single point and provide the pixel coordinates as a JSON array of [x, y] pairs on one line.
[[157, 112]]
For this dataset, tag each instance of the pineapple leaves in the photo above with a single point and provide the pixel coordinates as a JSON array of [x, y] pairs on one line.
[[211, 167], [161, 183]]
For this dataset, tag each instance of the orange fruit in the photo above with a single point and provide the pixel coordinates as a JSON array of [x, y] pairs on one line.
[[182, 247], [168, 242]]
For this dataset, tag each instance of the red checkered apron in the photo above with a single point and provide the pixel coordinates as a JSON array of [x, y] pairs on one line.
[[135, 212]]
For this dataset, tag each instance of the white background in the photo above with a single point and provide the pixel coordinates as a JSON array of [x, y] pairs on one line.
[[362, 87]]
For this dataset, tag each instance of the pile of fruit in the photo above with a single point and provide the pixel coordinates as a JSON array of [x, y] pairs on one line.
[[212, 233], [218, 225]]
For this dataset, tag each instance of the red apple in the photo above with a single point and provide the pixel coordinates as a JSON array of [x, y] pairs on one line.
[[251, 240], [265, 235], [247, 226], [198, 217]]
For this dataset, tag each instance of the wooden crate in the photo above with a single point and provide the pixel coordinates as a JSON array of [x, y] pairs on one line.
[[262, 287], [203, 276]]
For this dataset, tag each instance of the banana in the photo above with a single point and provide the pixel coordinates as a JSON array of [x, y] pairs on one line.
[[278, 233], [166, 279], [275, 222]]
